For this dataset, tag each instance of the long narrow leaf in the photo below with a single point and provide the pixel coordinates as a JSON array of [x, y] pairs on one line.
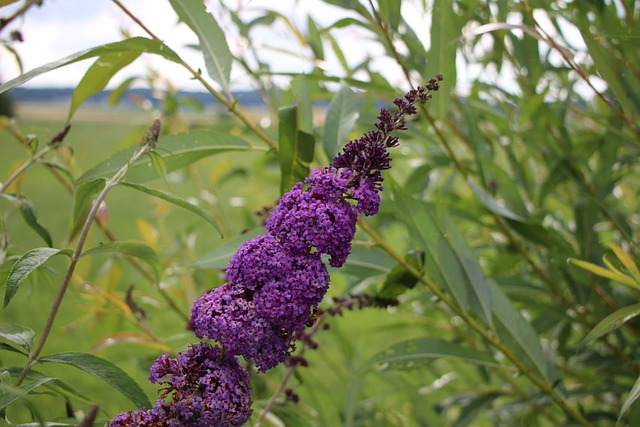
[[28, 212], [634, 394], [176, 201], [213, 42], [491, 204], [414, 352], [104, 370], [603, 62], [18, 334], [220, 256], [295, 148], [131, 248], [440, 259], [10, 394], [518, 333], [603, 272], [177, 151], [626, 260], [441, 57], [128, 46], [83, 196], [612, 321], [98, 75], [26, 265], [342, 113]]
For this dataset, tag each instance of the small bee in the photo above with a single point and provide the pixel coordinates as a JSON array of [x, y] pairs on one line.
[[313, 318]]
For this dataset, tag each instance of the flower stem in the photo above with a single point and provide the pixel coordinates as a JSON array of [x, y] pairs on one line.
[[283, 383]]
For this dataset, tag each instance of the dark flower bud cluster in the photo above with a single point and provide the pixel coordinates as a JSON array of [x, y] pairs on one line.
[[205, 387], [274, 284]]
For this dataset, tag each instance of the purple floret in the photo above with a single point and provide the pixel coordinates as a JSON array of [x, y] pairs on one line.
[[224, 315], [204, 386], [318, 218]]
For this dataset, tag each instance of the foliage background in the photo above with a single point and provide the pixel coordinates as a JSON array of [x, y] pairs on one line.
[[496, 186]]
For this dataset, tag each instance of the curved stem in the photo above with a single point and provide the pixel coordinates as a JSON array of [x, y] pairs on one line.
[[478, 327], [37, 156], [231, 104], [290, 370], [35, 352]]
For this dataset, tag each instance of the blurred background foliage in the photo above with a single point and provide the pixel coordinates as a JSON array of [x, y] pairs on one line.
[[507, 233]]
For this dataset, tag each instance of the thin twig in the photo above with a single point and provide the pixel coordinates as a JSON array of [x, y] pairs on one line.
[[117, 177], [290, 370], [563, 52], [231, 104], [474, 324]]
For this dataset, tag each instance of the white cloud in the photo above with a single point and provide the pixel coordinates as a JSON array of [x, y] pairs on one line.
[[62, 27]]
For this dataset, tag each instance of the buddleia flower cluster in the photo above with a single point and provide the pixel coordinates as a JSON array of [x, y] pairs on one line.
[[274, 282]]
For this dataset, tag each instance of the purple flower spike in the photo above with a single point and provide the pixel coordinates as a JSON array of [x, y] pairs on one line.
[[274, 284], [318, 218], [224, 315]]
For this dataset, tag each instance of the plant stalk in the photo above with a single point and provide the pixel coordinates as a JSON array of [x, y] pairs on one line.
[[77, 253], [474, 324]]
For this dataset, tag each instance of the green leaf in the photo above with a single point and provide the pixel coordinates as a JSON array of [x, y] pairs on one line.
[[314, 39], [220, 256], [128, 46], [399, 279], [603, 63], [342, 113], [98, 75], [368, 261], [177, 151], [84, 196], [28, 212], [390, 11], [176, 201], [475, 279], [441, 57], [116, 94], [492, 205], [475, 407], [418, 351], [447, 256], [603, 272], [612, 321], [213, 42], [158, 164], [27, 263], [56, 386], [11, 394], [7, 347], [626, 260], [18, 334], [519, 334], [131, 248], [633, 396], [301, 93], [104, 370], [295, 148]]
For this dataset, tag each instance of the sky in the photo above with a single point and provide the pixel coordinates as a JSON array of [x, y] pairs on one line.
[[62, 27]]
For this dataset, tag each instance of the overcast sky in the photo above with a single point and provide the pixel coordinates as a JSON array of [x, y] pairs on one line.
[[62, 27]]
